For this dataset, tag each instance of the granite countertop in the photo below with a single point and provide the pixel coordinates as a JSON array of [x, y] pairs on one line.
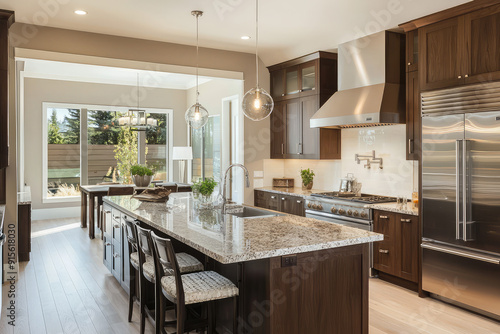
[[393, 207], [292, 191], [229, 239], [24, 197]]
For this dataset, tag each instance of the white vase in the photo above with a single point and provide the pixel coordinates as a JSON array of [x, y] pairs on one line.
[[142, 181]]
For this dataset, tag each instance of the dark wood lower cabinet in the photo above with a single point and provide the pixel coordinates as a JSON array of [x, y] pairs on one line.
[[24, 228], [293, 205], [397, 254]]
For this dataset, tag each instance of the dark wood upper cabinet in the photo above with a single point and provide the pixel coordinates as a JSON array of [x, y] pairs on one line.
[[413, 117], [464, 49], [6, 20], [412, 51], [299, 87], [482, 31], [441, 53], [278, 131]]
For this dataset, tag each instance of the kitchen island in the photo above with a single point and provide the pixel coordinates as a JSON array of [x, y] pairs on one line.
[[295, 274]]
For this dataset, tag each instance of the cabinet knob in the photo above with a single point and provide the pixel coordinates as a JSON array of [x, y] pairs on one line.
[[107, 244], [298, 202], [383, 217], [115, 255], [384, 251], [406, 220], [460, 77], [300, 90], [466, 75], [273, 197], [282, 94], [116, 225], [107, 211], [282, 198], [409, 64]]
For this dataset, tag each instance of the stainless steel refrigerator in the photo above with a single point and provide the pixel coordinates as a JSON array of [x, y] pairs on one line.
[[461, 196]]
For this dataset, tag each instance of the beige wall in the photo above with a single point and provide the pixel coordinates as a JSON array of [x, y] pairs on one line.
[[123, 48], [38, 91]]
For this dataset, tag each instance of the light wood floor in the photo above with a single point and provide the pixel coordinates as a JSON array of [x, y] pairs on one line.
[[66, 289]]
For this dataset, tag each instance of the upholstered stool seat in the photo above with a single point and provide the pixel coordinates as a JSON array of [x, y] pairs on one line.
[[200, 287], [187, 264]]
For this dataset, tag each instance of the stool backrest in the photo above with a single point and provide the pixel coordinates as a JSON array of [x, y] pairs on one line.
[[144, 243], [164, 256], [131, 232], [120, 191]]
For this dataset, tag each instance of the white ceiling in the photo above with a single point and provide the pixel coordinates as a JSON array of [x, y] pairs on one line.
[[44, 69], [288, 28]]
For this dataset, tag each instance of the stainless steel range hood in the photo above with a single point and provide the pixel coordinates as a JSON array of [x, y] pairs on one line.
[[371, 84]]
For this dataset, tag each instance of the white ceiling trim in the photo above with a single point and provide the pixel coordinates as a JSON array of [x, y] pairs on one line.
[[21, 53]]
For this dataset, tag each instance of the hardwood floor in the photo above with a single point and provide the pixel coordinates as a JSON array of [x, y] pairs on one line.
[[66, 289]]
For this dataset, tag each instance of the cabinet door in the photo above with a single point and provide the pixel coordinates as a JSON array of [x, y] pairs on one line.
[[125, 258], [309, 147], [412, 51], [260, 199], [308, 78], [413, 117], [408, 245], [384, 252], [293, 128], [108, 220], [482, 29], [107, 251], [278, 131], [116, 267], [292, 81], [278, 84], [295, 206], [441, 54], [273, 201]]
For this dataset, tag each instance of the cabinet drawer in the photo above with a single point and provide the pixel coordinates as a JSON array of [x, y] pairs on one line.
[[116, 259]]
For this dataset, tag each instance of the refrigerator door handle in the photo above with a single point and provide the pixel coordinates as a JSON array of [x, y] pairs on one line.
[[462, 253], [457, 189], [465, 187]]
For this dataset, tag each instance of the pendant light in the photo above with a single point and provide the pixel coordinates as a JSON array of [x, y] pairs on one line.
[[197, 115], [137, 119], [257, 103]]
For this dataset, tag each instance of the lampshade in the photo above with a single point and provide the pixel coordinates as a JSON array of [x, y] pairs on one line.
[[257, 104], [182, 153]]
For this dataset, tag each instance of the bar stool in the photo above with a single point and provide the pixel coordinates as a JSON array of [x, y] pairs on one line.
[[131, 237], [187, 264], [189, 289]]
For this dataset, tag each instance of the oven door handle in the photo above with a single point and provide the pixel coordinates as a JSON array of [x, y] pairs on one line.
[[333, 216]]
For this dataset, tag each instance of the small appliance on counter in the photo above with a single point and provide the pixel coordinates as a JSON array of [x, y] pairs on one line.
[[283, 182], [349, 186]]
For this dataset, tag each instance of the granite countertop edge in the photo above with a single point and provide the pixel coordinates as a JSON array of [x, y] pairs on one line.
[[391, 207], [296, 191], [254, 255]]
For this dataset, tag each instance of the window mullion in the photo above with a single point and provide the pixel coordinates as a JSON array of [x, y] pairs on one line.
[[84, 143]]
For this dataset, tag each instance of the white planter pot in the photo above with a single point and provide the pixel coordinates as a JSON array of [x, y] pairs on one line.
[[142, 181]]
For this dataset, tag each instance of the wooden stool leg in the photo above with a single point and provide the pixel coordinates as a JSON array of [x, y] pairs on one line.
[[211, 318], [143, 306], [235, 314], [132, 293]]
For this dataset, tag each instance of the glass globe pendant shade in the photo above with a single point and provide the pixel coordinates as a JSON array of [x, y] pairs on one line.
[[197, 116], [257, 104]]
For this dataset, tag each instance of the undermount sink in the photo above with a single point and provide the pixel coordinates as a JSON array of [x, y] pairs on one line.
[[250, 212]]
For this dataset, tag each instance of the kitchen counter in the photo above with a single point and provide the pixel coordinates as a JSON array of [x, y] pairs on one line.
[[393, 207], [230, 239], [292, 191]]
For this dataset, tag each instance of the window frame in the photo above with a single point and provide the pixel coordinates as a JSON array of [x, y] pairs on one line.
[[83, 145]]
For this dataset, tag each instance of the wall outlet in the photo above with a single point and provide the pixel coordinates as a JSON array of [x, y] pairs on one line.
[[289, 261], [258, 173]]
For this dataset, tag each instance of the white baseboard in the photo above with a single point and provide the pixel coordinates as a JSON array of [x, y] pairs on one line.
[[41, 214]]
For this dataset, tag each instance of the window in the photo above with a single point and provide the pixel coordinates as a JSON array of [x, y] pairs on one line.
[[207, 147], [80, 147]]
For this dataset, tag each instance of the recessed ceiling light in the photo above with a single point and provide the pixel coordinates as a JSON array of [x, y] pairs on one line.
[[80, 12], [245, 37]]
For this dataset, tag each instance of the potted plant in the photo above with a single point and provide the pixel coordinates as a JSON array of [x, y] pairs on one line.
[[307, 176], [203, 190], [141, 175]]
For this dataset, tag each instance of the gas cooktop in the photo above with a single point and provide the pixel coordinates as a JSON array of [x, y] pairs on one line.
[[363, 198]]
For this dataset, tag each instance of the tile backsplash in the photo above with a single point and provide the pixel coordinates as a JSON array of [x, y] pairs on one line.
[[398, 177]]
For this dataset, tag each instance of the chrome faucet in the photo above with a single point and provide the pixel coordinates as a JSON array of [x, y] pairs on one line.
[[224, 199]]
